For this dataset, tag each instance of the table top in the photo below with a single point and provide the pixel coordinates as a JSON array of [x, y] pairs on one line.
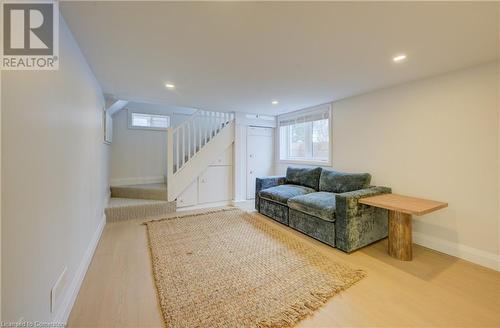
[[404, 204]]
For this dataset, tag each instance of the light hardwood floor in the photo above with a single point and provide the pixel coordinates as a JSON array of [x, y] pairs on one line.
[[434, 290]]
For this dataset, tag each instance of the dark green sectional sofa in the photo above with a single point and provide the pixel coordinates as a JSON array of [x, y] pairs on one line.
[[324, 205]]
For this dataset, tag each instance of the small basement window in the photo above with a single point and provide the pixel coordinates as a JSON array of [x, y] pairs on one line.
[[148, 121]]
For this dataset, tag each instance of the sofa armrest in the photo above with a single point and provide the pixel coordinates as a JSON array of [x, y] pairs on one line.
[[352, 197], [358, 225], [264, 183]]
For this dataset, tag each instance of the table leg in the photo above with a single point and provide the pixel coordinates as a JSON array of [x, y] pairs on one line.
[[400, 240]]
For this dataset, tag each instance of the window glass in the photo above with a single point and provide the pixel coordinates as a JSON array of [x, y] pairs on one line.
[[149, 121], [305, 136], [320, 139], [298, 140]]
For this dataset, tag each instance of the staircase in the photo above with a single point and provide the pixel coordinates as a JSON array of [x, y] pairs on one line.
[[191, 146], [194, 144]]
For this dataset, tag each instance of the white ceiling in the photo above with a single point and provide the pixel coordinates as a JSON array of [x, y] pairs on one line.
[[239, 56]]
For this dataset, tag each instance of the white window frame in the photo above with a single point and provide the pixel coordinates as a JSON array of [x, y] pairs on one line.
[[299, 113], [130, 126]]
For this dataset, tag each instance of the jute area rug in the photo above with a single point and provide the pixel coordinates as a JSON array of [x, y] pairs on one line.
[[227, 268]]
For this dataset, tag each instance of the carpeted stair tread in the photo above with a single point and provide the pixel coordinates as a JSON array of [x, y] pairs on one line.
[[152, 191], [123, 202], [119, 209]]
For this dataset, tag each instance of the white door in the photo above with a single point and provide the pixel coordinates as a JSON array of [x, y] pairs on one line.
[[215, 184], [260, 156], [189, 197]]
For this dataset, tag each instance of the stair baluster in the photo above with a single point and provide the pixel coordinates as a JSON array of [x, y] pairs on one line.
[[191, 136]]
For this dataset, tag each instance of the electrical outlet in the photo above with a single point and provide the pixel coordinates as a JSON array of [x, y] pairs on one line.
[[58, 290]]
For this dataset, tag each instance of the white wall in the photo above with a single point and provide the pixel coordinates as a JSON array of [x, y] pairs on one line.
[[54, 186], [139, 156], [0, 197], [435, 138]]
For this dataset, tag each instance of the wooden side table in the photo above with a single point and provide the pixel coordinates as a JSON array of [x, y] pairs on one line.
[[401, 208]]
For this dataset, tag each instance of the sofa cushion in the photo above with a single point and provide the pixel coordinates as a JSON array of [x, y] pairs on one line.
[[319, 204], [282, 193], [339, 182], [303, 176]]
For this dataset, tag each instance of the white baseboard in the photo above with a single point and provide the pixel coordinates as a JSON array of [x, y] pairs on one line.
[[474, 255], [239, 201], [137, 180], [62, 314], [205, 205]]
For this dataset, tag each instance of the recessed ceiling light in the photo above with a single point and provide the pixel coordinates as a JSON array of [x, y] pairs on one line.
[[274, 102], [399, 58], [169, 86]]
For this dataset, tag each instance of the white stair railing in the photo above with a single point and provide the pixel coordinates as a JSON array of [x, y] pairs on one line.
[[187, 139]]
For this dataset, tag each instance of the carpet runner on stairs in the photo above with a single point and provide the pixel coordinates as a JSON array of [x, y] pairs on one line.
[[138, 201], [157, 191]]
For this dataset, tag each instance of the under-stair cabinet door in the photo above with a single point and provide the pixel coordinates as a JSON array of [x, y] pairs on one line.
[[216, 184], [189, 197], [260, 156]]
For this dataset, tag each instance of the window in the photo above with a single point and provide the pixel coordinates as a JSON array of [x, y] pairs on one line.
[[148, 121], [305, 136]]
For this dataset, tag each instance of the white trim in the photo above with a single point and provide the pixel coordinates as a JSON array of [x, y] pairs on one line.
[[309, 110], [303, 162], [205, 205], [239, 201], [137, 180], [240, 162], [477, 256], [244, 119], [62, 315]]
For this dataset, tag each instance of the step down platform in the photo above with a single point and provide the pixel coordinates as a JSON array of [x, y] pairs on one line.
[[120, 209], [151, 191]]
